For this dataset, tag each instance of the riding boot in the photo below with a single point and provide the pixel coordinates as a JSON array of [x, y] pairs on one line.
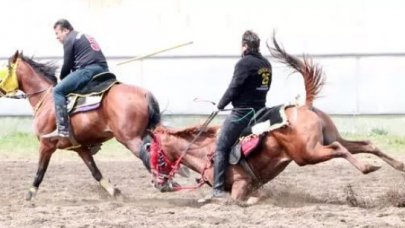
[[220, 167], [62, 124]]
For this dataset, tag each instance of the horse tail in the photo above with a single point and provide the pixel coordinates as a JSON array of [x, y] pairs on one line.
[[154, 111], [312, 73], [154, 120]]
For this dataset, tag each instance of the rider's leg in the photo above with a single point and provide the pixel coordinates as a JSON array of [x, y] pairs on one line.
[[230, 132], [72, 82]]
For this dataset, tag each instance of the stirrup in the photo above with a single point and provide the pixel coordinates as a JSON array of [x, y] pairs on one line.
[[55, 135]]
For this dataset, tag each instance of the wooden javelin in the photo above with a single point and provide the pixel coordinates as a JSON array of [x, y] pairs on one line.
[[154, 53]]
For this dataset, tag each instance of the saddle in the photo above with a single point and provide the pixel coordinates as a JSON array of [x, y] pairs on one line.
[[90, 97], [265, 120]]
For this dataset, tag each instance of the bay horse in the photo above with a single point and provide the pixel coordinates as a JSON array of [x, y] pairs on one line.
[[125, 113], [309, 138]]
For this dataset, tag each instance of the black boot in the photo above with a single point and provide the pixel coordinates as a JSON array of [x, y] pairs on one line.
[[220, 167], [62, 124]]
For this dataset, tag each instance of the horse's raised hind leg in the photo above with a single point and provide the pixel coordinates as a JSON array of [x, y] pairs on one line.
[[367, 147], [45, 153], [88, 159], [334, 150]]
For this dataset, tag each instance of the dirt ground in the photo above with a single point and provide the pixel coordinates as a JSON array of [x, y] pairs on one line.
[[332, 194]]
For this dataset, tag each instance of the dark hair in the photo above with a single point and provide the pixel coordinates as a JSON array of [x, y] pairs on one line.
[[63, 23], [252, 41]]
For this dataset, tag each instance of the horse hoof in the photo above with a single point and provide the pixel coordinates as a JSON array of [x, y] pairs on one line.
[[116, 192], [371, 168], [252, 200], [29, 196], [118, 196], [400, 166]]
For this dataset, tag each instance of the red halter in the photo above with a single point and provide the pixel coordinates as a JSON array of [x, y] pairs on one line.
[[163, 169]]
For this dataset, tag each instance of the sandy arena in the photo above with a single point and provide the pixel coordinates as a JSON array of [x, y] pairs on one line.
[[332, 194]]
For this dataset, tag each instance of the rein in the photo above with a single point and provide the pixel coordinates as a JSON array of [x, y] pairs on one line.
[[202, 129], [41, 101], [25, 95], [161, 164], [28, 95]]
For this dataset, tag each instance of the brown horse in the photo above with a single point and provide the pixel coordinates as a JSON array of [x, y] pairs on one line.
[[310, 138], [125, 113]]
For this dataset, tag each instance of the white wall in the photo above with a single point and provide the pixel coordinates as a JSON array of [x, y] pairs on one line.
[[370, 85]]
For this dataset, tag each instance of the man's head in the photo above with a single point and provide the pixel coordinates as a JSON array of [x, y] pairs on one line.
[[250, 42], [62, 27]]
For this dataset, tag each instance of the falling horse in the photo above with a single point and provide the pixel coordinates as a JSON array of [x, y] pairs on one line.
[[125, 112], [310, 137]]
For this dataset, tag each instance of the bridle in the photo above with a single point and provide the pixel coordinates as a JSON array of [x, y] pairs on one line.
[[13, 95], [163, 169]]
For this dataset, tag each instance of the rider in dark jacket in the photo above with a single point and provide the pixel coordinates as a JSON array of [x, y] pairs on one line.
[[82, 60], [247, 92]]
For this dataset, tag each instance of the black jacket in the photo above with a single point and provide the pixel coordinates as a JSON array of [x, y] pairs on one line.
[[250, 83], [80, 50]]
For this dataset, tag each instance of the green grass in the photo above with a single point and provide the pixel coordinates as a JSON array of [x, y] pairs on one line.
[[16, 146], [18, 142], [387, 143]]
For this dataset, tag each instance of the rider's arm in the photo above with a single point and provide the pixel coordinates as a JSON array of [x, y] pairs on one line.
[[239, 76], [68, 60]]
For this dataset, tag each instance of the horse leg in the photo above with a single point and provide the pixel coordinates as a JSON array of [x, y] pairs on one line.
[[356, 147], [134, 145], [334, 150], [255, 197], [88, 159], [331, 134], [240, 190], [45, 153]]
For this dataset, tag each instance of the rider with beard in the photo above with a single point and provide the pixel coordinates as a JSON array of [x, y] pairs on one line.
[[247, 92]]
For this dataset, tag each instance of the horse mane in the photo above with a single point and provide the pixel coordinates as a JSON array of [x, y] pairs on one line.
[[188, 132], [48, 70], [312, 73]]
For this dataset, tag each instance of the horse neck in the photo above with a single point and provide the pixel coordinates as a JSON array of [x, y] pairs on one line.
[[197, 157], [30, 82]]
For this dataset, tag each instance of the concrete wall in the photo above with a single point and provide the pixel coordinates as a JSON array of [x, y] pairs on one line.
[[357, 42]]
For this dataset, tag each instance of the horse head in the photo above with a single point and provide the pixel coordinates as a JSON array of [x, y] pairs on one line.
[[25, 74], [166, 154], [8, 76]]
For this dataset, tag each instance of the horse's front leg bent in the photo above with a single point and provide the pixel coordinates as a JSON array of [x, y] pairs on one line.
[[45, 152], [241, 189], [88, 159]]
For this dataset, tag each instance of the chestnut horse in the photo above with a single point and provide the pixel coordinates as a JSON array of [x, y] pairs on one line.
[[125, 113], [310, 138]]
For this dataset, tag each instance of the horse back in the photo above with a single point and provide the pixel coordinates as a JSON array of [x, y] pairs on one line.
[[123, 112]]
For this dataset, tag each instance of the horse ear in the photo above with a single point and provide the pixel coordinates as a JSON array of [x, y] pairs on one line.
[[14, 58]]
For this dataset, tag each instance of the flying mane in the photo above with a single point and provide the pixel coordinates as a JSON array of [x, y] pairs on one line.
[[188, 132]]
